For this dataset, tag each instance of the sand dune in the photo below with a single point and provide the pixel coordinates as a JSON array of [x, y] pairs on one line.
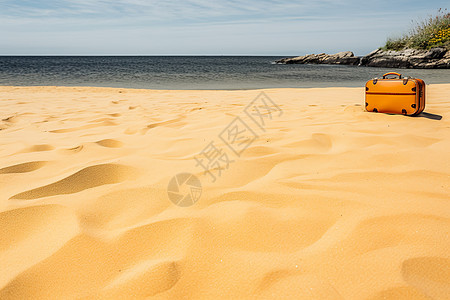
[[326, 201]]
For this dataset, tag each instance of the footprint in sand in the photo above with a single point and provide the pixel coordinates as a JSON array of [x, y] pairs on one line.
[[38, 148], [164, 123], [73, 149], [11, 119], [86, 178], [110, 143], [23, 168], [117, 101], [133, 130]]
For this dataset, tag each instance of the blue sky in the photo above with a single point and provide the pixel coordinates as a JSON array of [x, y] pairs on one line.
[[202, 27]]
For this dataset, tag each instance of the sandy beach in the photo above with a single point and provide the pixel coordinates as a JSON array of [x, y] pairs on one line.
[[317, 200]]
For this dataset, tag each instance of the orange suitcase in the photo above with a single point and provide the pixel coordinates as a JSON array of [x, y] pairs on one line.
[[395, 95]]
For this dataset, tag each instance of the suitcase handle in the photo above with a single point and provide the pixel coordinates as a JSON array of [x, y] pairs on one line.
[[392, 73]]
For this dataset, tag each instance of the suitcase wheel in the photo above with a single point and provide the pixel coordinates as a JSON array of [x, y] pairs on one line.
[[413, 105], [375, 110], [404, 111], [367, 104]]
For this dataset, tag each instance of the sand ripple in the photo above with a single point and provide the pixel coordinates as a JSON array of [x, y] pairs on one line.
[[329, 202]]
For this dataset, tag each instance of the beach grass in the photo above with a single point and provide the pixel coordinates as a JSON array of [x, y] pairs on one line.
[[429, 33]]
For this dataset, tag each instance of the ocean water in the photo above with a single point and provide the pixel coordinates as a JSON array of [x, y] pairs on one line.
[[189, 72]]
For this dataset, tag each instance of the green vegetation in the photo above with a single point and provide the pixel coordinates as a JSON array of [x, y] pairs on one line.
[[431, 33]]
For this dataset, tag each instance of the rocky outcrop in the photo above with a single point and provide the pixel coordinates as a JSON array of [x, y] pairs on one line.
[[436, 58], [341, 58]]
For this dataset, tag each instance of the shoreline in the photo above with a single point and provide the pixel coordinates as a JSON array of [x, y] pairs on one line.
[[188, 90]]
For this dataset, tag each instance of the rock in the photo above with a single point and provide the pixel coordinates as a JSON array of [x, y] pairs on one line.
[[408, 58], [435, 58], [344, 58], [341, 58], [391, 62], [435, 53]]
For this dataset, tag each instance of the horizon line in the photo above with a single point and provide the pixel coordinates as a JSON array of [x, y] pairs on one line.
[[146, 55]]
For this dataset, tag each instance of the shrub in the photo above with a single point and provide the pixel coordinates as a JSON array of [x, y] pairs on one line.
[[430, 33], [395, 44]]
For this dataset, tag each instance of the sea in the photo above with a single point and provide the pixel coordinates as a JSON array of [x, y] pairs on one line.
[[189, 72]]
